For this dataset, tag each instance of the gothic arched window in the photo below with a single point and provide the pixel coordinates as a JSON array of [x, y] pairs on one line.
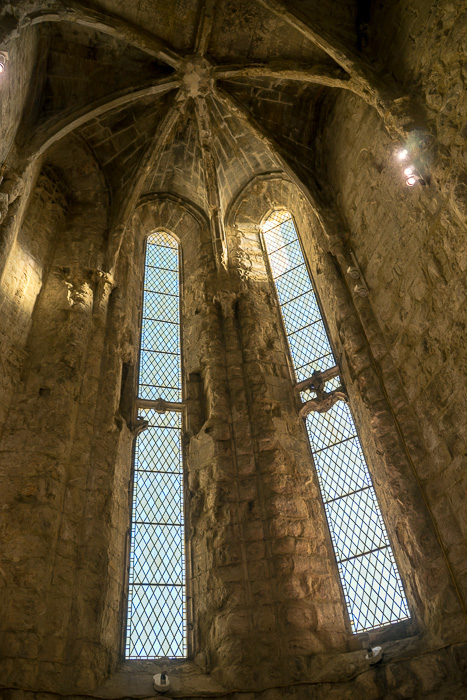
[[156, 623], [370, 580]]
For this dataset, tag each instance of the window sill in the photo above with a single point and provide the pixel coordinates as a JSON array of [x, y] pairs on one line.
[[133, 678]]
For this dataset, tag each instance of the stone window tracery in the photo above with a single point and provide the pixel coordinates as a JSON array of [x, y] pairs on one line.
[[369, 576], [156, 624]]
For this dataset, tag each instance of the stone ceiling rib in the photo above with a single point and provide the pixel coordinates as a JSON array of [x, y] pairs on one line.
[[319, 73], [205, 27], [124, 210], [228, 132], [319, 36], [108, 23], [54, 130], [381, 95], [216, 218], [231, 104]]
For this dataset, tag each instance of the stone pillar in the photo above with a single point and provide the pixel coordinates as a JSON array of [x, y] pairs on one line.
[[218, 580], [264, 583]]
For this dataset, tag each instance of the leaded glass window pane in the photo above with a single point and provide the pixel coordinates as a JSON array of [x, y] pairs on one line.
[[156, 603], [160, 365], [370, 580]]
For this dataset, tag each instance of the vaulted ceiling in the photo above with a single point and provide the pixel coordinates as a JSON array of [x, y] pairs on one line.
[[191, 97]]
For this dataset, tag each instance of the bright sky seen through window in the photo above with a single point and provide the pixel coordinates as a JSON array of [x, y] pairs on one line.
[[156, 602], [370, 580]]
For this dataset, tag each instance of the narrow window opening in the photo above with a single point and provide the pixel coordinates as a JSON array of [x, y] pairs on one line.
[[156, 624], [369, 576]]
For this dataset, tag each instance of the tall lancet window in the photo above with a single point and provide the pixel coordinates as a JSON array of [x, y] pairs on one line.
[[370, 580], [156, 603]]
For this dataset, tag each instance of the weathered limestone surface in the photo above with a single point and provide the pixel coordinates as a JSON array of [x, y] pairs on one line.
[[24, 275], [200, 118], [412, 252], [22, 59]]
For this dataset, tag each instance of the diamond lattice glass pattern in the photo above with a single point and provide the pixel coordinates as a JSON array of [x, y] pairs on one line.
[[286, 258], [372, 586], [160, 336], [160, 365], [342, 469], [156, 613], [311, 341], [292, 283], [380, 603], [156, 601], [305, 306], [158, 622]]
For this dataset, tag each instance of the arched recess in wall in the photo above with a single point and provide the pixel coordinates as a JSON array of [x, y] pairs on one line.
[[396, 485]]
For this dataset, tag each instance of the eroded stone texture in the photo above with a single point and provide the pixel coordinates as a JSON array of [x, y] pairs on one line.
[[201, 118], [413, 257]]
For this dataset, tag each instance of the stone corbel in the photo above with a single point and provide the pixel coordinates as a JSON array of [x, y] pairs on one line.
[[139, 426], [101, 277], [83, 284], [226, 300], [360, 289], [104, 282]]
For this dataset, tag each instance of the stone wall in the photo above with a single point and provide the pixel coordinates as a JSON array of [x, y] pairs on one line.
[[262, 580], [266, 615], [48, 431], [23, 276], [411, 248], [432, 79], [21, 65]]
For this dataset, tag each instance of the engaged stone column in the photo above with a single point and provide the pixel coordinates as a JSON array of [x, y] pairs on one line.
[[272, 579]]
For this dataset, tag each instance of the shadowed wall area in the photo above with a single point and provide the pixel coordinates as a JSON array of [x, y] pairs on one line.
[[198, 121]]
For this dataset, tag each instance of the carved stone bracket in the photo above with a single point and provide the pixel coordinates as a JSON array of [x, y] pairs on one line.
[[323, 404], [139, 426], [324, 399], [84, 284], [226, 300]]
